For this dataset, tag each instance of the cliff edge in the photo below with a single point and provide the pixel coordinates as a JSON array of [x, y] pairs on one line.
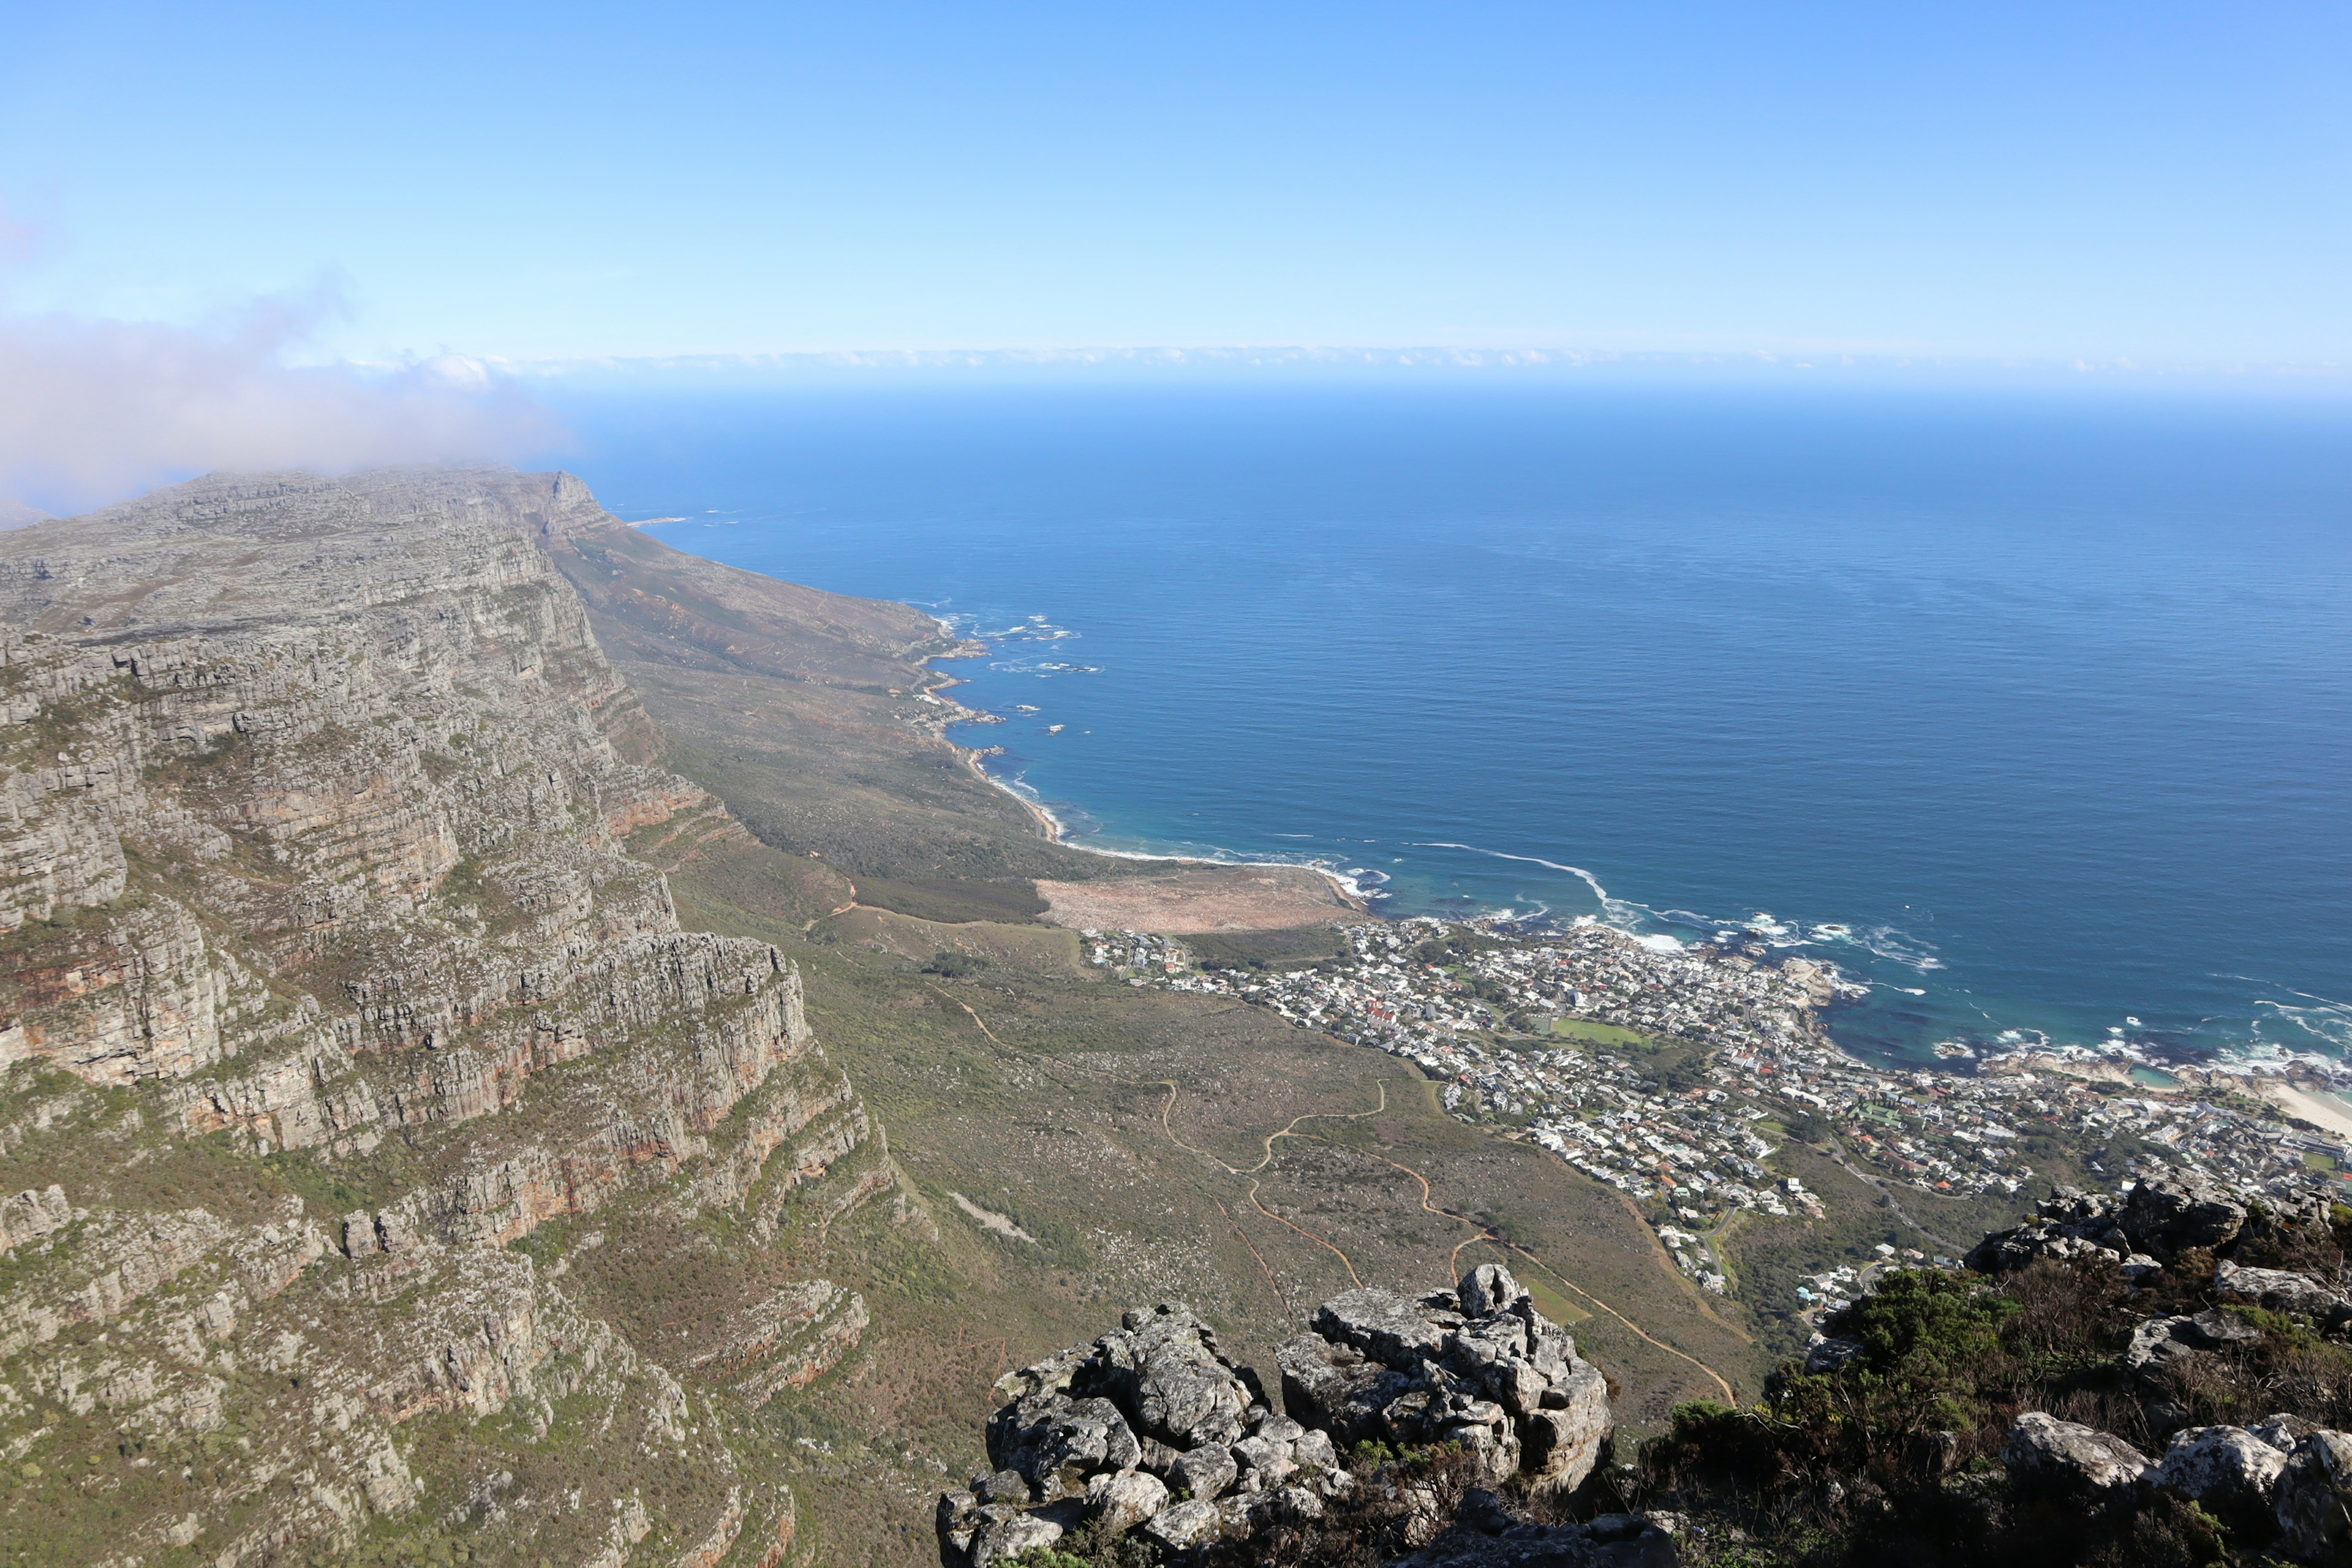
[[356, 1075]]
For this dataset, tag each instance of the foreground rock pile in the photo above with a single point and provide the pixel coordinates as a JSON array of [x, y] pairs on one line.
[[1153, 1428], [2155, 1223], [2284, 1468]]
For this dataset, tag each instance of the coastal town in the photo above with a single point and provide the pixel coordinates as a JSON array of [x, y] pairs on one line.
[[1674, 1073]]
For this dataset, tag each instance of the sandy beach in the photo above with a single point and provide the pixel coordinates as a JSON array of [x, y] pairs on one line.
[[2323, 1112], [1201, 898]]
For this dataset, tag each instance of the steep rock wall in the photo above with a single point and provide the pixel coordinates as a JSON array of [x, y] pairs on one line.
[[315, 798]]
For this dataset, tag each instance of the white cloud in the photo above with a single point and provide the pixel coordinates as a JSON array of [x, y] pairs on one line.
[[92, 411]]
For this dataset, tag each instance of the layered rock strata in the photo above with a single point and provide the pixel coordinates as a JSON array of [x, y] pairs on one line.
[[316, 806]]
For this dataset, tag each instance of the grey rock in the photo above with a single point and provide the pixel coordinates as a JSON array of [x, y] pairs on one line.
[[1314, 1448], [2223, 1468], [1158, 1457], [1004, 1486], [1207, 1472], [2139, 1268], [1045, 1376], [1559, 1447], [1487, 1290], [2314, 1501], [32, 1213], [2284, 1432], [1335, 1387], [1000, 1538], [1125, 1498], [1483, 1511], [957, 1519], [1185, 1524], [2276, 1289], [1163, 1369], [1381, 1325], [1277, 1428], [1269, 1462], [2182, 1209], [1055, 1442], [2214, 1329], [2044, 1451], [359, 1234], [2156, 1345]]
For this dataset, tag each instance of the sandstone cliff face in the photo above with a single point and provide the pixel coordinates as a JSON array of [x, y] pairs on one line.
[[316, 895]]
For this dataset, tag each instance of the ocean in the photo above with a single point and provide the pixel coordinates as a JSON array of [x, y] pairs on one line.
[[2032, 711]]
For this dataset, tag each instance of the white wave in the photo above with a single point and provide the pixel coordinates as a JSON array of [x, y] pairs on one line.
[[1588, 880], [1659, 942]]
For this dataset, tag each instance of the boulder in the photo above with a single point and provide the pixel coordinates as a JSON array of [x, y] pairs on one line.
[[2276, 1289], [2173, 1212], [1125, 1498], [2045, 1452], [1336, 1388], [2161, 1343], [1314, 1450], [1185, 1524], [2213, 1328], [1207, 1472], [1266, 1464], [2225, 1468], [1055, 1442], [2284, 1432], [1382, 1326], [1163, 1368], [1158, 1457], [2156, 1345], [2314, 1500], [958, 1520], [1561, 1443], [1489, 1290], [1502, 1381], [1008, 1537]]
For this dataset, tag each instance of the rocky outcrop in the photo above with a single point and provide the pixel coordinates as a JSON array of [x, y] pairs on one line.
[[32, 1214], [2157, 1220], [1479, 1366], [1151, 1427], [317, 800]]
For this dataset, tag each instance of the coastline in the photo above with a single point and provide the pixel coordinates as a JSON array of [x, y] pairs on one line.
[[2090, 1062], [1051, 827]]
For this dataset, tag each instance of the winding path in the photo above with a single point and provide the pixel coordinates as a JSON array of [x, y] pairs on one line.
[[1290, 1129]]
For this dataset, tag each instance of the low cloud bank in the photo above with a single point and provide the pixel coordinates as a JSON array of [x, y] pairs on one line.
[[93, 412]]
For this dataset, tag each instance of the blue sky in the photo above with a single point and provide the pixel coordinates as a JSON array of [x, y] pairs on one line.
[[2156, 182]]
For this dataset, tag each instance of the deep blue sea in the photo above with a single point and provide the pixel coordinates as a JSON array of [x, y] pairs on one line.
[[2032, 711]]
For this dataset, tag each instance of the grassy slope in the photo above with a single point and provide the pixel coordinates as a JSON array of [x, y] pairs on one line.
[[1041, 1091]]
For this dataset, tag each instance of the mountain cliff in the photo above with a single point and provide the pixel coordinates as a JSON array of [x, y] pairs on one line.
[[337, 963]]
